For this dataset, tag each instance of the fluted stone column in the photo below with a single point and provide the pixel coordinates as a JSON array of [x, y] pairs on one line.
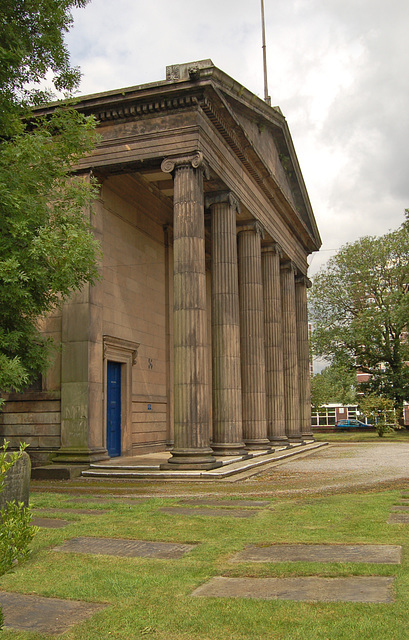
[[273, 331], [252, 337], [303, 352], [290, 359], [227, 409], [191, 394]]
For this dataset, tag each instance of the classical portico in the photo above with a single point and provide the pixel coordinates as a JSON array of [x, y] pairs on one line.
[[206, 227]]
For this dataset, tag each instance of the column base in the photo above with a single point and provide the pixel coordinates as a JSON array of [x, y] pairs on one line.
[[295, 438], [308, 436], [71, 455], [259, 444], [279, 441], [191, 459], [229, 449]]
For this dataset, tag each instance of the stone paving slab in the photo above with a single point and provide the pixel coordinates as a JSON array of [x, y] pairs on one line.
[[125, 548], [223, 513], [309, 589], [49, 523], [226, 503], [403, 500], [400, 507], [399, 518], [44, 615], [80, 512], [108, 498], [374, 553]]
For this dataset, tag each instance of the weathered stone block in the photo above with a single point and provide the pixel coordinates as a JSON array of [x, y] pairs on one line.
[[17, 482]]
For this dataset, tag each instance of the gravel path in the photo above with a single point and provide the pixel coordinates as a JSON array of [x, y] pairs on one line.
[[342, 466]]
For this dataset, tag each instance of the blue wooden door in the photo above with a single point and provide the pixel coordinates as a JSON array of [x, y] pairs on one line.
[[114, 408]]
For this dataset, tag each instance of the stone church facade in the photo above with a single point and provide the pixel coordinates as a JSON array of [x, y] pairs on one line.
[[196, 336]]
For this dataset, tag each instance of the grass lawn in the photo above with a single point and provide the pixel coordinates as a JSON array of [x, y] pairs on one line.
[[150, 598], [402, 435]]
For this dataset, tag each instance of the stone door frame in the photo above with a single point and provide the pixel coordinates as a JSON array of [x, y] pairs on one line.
[[124, 352]]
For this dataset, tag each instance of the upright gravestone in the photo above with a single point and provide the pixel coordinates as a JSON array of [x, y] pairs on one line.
[[17, 482]]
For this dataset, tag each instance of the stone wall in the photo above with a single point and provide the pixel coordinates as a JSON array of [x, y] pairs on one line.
[[135, 303]]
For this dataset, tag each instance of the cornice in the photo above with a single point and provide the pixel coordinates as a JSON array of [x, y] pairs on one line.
[[142, 107]]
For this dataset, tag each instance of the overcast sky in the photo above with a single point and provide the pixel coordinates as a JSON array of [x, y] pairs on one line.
[[338, 69]]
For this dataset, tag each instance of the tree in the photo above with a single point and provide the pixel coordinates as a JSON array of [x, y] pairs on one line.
[[360, 310], [47, 248], [335, 384], [379, 411]]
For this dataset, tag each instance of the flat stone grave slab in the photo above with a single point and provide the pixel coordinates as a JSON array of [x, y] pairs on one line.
[[399, 518], [376, 553], [309, 589], [44, 615], [225, 503], [80, 512], [400, 507], [49, 523], [223, 513], [125, 548], [129, 499]]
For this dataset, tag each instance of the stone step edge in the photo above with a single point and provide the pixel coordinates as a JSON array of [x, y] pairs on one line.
[[153, 467], [220, 473]]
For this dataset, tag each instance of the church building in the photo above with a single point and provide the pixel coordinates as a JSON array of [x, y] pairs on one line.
[[195, 339]]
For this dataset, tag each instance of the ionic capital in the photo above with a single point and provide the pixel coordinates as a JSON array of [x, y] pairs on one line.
[[255, 227], [302, 279], [288, 265], [195, 160], [226, 197], [273, 248]]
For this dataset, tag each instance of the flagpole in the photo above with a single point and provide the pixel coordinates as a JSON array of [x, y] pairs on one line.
[[267, 98]]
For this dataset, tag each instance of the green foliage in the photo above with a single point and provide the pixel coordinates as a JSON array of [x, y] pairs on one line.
[[47, 249], [32, 44], [334, 384], [360, 308], [15, 530], [376, 410], [15, 535]]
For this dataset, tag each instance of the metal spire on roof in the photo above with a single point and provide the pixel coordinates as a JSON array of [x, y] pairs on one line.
[[267, 98]]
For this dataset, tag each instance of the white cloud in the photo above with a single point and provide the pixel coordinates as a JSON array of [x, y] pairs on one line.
[[337, 68]]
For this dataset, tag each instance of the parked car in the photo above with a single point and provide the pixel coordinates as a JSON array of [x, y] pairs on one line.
[[352, 423]]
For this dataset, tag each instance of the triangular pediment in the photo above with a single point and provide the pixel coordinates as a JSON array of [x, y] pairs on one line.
[[265, 134]]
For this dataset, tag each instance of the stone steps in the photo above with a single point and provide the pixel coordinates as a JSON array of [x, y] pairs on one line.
[[230, 466]]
